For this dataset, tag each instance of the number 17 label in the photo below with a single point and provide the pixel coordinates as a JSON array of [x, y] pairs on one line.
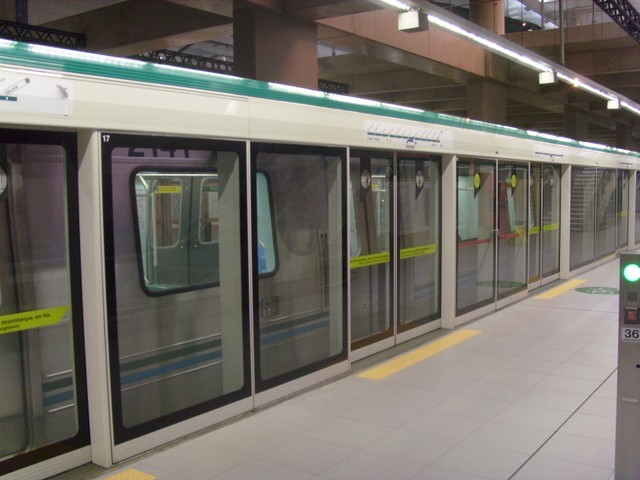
[[630, 334]]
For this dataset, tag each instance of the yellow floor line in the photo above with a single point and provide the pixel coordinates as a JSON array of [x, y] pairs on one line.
[[415, 356], [565, 287], [131, 474]]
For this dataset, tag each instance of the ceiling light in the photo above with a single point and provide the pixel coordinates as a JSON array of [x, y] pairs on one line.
[[413, 21], [546, 78]]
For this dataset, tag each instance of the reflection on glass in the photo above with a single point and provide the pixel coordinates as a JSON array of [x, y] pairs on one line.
[[370, 189], [550, 220], [40, 399], [300, 307], [476, 232], [418, 241], [177, 324], [605, 212], [622, 208], [535, 223], [583, 189], [513, 180]]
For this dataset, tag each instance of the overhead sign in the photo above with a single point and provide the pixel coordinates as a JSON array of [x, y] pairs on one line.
[[407, 135]]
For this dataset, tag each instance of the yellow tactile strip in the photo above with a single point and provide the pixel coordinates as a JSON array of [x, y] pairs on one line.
[[565, 287], [415, 356], [131, 474]]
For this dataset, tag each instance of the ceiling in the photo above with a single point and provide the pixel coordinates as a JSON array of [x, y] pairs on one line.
[[359, 45]]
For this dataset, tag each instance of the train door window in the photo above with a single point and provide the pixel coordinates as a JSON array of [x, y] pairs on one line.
[[43, 412], [301, 314], [266, 242], [605, 211], [177, 327]]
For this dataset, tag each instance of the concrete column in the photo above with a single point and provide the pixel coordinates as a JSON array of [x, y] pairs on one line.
[[487, 101], [575, 124], [273, 48], [488, 14]]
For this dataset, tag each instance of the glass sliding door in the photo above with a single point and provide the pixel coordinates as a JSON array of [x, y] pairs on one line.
[[418, 240], [605, 212], [550, 220], [43, 411], [300, 319], [622, 208], [513, 197], [535, 222], [583, 188], [178, 326], [371, 206], [476, 234]]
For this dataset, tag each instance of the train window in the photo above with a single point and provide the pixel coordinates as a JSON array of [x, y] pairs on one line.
[[166, 199], [209, 210], [178, 222], [266, 242]]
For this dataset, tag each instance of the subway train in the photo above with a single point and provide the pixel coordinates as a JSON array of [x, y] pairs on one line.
[[133, 314]]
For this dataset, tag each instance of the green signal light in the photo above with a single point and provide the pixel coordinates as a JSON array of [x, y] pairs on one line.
[[631, 272]]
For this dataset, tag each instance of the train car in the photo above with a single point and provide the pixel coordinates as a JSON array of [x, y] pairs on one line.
[[181, 247]]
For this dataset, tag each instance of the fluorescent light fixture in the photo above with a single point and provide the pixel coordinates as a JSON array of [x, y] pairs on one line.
[[491, 45], [613, 104], [413, 21], [576, 82], [546, 78], [395, 4], [630, 107]]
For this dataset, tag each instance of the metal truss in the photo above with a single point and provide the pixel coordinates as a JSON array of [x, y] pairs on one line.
[[47, 36], [169, 57], [624, 14], [196, 62]]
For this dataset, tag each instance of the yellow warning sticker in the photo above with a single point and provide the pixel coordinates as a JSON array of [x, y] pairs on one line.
[[33, 319], [418, 251], [369, 260], [162, 189]]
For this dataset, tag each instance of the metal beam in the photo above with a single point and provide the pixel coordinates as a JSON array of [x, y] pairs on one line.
[[41, 35], [624, 14]]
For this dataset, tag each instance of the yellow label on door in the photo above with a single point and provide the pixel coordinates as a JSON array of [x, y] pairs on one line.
[[33, 319]]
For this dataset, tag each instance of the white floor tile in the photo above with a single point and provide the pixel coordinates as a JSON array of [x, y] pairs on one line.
[[481, 460], [579, 449], [510, 437], [474, 407], [412, 446], [257, 469], [455, 427], [351, 433], [374, 466], [542, 468], [308, 454]]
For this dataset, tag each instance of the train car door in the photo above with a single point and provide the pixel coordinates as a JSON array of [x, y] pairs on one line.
[[43, 412]]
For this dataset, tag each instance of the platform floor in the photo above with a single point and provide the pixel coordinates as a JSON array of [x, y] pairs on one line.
[[532, 396]]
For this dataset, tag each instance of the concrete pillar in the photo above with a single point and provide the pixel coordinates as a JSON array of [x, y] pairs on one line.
[[488, 14], [575, 124], [487, 101], [273, 48]]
